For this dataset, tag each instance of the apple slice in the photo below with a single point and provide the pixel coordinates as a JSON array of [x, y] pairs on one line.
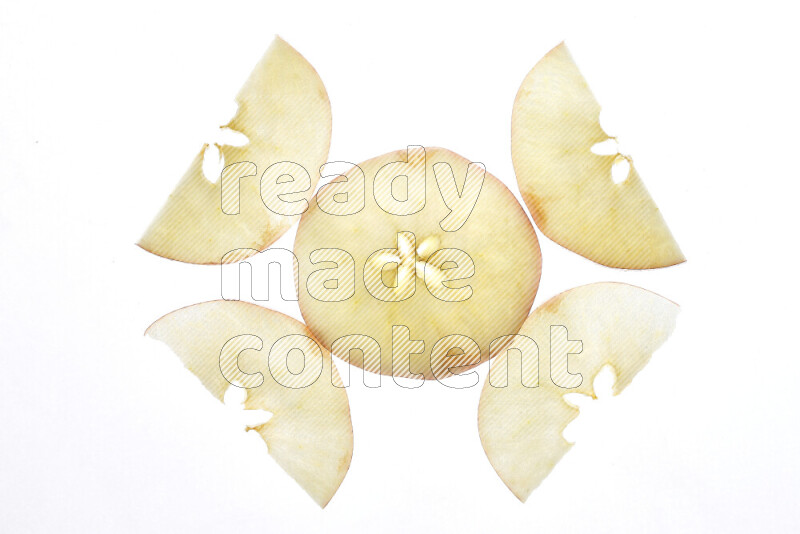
[[231, 342], [568, 189], [462, 264], [285, 113], [521, 424]]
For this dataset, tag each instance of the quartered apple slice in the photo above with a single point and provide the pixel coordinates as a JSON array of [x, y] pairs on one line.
[[287, 374], [569, 189], [523, 413], [285, 113], [411, 263]]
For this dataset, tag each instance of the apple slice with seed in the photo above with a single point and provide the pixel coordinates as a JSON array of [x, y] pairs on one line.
[[285, 113], [569, 189], [287, 374], [422, 258], [522, 412]]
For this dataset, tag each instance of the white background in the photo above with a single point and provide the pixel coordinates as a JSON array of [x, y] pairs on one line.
[[102, 107]]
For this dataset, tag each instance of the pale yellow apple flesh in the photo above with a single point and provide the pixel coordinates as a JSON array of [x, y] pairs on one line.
[[569, 189], [496, 235], [521, 424], [285, 113], [223, 342]]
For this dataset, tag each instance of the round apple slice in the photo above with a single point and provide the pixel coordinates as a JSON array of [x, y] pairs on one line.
[[560, 349], [285, 113], [413, 262], [285, 372], [569, 189]]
